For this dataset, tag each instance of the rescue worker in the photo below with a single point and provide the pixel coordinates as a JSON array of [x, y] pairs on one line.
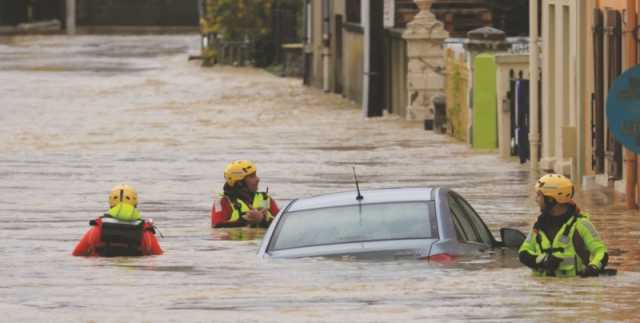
[[242, 204], [121, 231], [563, 241]]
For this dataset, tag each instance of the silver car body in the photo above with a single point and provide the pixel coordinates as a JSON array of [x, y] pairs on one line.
[[447, 238]]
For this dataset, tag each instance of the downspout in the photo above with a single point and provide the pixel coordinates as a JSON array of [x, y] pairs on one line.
[[308, 46], [366, 25], [306, 40], [534, 77], [326, 43], [581, 90], [630, 158]]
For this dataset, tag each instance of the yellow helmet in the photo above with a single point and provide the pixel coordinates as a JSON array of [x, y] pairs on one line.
[[123, 194], [558, 187], [237, 170]]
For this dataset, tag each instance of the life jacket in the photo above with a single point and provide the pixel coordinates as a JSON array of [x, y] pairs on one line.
[[121, 238], [111, 236], [260, 201]]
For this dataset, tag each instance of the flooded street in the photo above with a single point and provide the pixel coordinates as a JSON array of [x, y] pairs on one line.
[[82, 114]]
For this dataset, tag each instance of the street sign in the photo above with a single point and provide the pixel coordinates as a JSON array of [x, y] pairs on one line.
[[623, 109]]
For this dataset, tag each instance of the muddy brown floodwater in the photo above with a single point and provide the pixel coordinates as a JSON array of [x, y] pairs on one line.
[[82, 114]]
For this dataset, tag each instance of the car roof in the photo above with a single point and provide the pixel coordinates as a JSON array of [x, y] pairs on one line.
[[385, 195]]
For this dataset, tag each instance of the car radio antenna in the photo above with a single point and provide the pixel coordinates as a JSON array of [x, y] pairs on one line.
[[359, 197]]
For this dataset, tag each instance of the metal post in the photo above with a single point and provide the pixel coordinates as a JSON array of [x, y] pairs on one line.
[[534, 76], [71, 16]]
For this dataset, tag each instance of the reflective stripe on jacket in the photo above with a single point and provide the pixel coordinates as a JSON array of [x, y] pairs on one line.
[[562, 246]]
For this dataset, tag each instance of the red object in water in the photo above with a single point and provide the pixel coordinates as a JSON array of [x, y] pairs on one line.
[[441, 257], [91, 244]]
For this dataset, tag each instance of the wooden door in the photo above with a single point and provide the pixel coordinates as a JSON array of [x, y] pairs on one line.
[[597, 98]]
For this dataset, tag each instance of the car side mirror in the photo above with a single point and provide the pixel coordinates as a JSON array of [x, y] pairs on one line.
[[512, 238]]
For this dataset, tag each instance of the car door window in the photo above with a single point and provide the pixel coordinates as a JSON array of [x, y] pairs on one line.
[[479, 226], [459, 216], [458, 227]]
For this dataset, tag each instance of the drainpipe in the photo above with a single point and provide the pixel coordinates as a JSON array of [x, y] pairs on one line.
[[534, 77], [326, 43], [630, 158], [71, 17], [308, 45], [366, 24]]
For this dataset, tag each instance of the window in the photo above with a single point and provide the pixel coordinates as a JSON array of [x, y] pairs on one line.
[[480, 227], [458, 226], [354, 12], [459, 216], [354, 223]]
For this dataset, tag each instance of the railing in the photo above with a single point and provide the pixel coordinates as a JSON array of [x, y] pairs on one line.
[[236, 53]]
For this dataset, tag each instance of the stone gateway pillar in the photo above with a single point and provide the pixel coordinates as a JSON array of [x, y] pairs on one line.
[[425, 58]]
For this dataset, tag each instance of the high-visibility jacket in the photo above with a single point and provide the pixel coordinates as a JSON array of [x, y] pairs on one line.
[[124, 212], [228, 213], [563, 246]]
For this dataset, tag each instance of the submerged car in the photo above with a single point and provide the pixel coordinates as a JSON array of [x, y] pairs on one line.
[[435, 223]]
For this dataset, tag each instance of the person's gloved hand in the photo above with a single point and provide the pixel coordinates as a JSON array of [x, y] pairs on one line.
[[254, 216], [591, 271], [548, 263]]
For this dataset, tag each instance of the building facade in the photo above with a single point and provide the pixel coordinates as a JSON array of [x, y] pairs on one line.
[[585, 45]]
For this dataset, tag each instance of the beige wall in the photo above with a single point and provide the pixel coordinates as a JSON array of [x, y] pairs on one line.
[[588, 87], [353, 61], [397, 80], [563, 52], [351, 73]]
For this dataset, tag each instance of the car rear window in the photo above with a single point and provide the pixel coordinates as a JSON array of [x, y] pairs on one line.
[[370, 222]]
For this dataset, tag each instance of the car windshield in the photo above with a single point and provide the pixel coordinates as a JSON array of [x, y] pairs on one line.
[[371, 222]]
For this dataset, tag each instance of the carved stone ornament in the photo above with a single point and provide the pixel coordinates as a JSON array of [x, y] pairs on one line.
[[425, 24], [425, 60]]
